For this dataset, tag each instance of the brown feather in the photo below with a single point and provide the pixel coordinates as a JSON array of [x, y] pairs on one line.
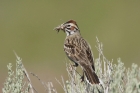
[[78, 50]]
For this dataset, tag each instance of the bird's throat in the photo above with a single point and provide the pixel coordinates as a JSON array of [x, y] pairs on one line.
[[68, 33]]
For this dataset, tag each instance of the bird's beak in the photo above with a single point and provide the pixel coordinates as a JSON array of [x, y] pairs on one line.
[[60, 27]]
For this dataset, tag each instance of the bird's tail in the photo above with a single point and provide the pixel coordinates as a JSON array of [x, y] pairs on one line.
[[91, 75]]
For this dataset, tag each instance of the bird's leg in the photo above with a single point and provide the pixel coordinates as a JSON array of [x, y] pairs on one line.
[[82, 77], [75, 65]]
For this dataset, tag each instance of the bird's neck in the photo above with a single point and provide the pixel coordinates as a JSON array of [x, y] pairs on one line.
[[74, 34], [72, 37]]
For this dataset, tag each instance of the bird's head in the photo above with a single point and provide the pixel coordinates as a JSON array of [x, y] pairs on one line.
[[70, 27]]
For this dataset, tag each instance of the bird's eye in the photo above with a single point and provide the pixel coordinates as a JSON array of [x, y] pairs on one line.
[[68, 25]]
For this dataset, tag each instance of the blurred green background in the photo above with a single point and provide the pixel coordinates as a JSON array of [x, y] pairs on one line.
[[27, 27]]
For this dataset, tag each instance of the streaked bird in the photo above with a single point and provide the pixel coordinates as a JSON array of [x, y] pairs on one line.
[[78, 50]]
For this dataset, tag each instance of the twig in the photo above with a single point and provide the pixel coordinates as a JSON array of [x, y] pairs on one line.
[[49, 84], [25, 73], [39, 80]]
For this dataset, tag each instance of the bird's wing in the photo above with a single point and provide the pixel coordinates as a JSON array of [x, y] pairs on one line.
[[78, 50]]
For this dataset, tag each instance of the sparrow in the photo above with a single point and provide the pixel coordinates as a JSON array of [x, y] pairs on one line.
[[78, 50]]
